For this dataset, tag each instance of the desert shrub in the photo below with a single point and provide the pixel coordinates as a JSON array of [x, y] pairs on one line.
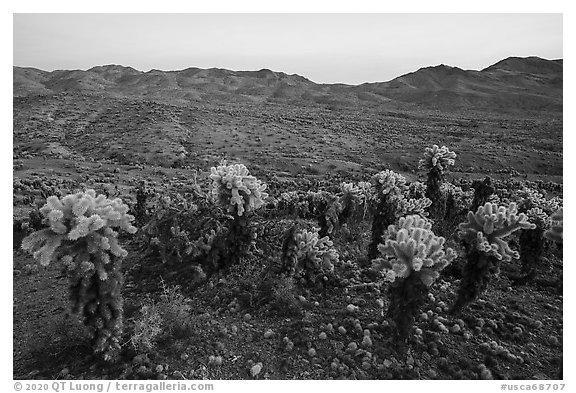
[[82, 236], [167, 317], [147, 328], [182, 228], [283, 297], [175, 310]]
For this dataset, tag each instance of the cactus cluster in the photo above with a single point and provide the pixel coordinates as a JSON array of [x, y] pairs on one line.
[[174, 226], [236, 190], [538, 209], [293, 202], [529, 198], [489, 225], [82, 235]]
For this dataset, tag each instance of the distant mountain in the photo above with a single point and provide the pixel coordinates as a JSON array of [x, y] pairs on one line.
[[529, 65], [512, 84]]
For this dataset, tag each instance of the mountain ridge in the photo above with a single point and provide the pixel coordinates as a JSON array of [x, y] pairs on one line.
[[515, 83]]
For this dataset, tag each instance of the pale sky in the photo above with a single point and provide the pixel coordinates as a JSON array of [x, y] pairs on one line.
[[326, 48]]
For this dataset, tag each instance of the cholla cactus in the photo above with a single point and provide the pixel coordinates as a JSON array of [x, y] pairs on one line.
[[351, 191], [531, 243], [329, 219], [389, 188], [354, 198], [414, 206], [529, 198], [141, 207], [457, 201], [388, 184], [411, 258], [316, 252], [483, 235], [483, 190], [437, 157], [538, 217], [236, 190], [411, 248], [555, 233], [291, 202], [486, 228], [307, 257], [82, 235], [416, 190], [538, 209], [240, 194], [436, 160]]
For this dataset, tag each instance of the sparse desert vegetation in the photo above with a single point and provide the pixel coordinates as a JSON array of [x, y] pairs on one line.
[[250, 233]]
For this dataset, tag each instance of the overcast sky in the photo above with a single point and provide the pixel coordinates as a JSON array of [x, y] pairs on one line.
[[326, 48]]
